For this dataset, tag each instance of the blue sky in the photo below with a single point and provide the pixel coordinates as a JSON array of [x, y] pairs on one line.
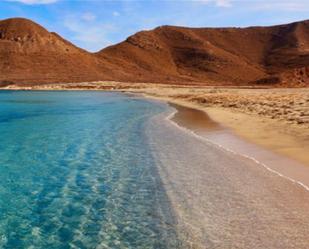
[[94, 24]]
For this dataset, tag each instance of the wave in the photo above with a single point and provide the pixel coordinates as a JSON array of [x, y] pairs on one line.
[[169, 118]]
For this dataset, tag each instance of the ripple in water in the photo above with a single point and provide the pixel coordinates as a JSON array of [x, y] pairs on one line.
[[76, 172]]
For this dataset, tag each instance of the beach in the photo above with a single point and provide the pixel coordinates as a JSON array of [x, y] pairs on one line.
[[277, 119], [274, 118], [224, 200], [146, 168]]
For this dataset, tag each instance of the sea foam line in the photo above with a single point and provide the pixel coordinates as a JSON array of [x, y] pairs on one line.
[[191, 132]]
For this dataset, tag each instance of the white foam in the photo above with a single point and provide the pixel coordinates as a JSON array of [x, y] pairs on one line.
[[171, 115]]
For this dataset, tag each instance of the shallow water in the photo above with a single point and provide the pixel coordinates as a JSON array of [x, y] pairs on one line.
[[203, 126], [76, 172], [224, 199], [104, 170]]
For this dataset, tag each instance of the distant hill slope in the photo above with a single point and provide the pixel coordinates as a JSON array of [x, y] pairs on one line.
[[29, 53], [263, 55], [229, 56]]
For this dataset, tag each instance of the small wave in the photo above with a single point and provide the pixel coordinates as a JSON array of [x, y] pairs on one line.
[[192, 133]]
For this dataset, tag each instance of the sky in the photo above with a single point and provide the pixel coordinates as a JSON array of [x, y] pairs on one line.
[[95, 24]]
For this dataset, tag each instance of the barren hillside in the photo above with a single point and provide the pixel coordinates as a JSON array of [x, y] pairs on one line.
[[277, 55]]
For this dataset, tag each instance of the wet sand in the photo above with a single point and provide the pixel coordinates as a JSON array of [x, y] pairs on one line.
[[224, 200], [201, 124], [194, 119]]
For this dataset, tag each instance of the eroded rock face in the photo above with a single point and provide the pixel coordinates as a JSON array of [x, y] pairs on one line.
[[296, 77]]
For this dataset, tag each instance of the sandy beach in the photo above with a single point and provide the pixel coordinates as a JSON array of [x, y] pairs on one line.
[[222, 199], [277, 119], [274, 118], [234, 178]]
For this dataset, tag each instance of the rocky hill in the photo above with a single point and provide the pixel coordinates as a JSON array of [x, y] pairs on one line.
[[276, 55], [31, 54], [254, 55]]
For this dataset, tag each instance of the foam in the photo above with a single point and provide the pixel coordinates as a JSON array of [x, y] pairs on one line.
[[192, 133]]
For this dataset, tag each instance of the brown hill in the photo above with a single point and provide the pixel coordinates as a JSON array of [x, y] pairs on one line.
[[230, 56], [259, 55], [29, 53]]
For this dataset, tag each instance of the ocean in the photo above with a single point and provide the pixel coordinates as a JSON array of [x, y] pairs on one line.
[[76, 171]]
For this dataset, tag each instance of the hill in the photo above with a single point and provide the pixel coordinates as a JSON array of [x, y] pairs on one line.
[[29, 53], [226, 56], [256, 55]]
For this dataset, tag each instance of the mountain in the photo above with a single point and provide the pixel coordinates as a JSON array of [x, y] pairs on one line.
[[29, 53], [256, 55], [230, 56]]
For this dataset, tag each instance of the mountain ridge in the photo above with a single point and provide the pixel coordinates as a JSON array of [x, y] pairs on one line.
[[272, 55]]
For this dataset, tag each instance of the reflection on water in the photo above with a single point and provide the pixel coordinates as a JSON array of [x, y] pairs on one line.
[[76, 172]]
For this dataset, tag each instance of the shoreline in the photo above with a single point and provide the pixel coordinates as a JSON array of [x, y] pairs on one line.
[[219, 193], [281, 138], [285, 140], [288, 137], [201, 176], [207, 130]]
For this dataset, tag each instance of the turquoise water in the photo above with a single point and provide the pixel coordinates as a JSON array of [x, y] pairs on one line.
[[76, 172]]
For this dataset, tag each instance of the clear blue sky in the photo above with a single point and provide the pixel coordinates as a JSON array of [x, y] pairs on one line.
[[94, 24]]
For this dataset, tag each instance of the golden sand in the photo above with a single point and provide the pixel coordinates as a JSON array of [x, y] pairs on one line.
[[277, 119]]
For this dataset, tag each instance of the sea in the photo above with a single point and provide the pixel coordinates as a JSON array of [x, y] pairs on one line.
[[107, 170], [77, 171]]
